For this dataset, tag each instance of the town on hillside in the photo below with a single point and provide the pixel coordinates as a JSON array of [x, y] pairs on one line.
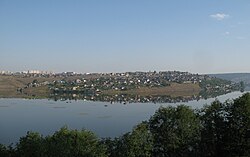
[[107, 85]]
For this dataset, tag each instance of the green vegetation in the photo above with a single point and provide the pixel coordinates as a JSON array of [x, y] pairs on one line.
[[213, 82], [63, 143], [212, 87], [137, 143], [219, 129], [176, 131]]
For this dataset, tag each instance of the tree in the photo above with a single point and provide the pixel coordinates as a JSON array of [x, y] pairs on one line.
[[239, 126], [213, 132], [225, 128], [4, 151], [175, 131], [138, 143], [31, 145], [73, 143]]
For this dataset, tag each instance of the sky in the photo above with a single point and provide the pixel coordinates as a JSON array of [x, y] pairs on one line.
[[198, 36]]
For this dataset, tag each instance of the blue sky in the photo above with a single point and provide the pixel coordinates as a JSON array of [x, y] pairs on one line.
[[199, 36]]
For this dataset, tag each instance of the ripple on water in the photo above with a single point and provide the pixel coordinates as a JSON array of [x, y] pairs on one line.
[[50, 103], [83, 114], [59, 107], [104, 117], [4, 106]]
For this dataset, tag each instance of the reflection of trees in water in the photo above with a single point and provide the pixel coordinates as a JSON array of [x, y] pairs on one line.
[[212, 94], [126, 98]]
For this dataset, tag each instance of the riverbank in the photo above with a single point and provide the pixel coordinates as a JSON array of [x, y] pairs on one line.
[[174, 90]]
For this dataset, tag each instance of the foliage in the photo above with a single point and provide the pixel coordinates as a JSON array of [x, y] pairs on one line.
[[214, 126], [214, 82], [4, 151], [138, 143], [31, 145], [69, 143], [175, 131], [226, 128], [239, 126], [63, 143]]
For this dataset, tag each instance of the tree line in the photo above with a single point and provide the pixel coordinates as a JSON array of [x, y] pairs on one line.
[[216, 130]]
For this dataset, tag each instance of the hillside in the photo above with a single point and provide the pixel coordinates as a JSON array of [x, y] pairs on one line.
[[235, 77], [10, 84], [171, 83]]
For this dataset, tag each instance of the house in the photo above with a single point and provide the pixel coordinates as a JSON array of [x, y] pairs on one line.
[[78, 81]]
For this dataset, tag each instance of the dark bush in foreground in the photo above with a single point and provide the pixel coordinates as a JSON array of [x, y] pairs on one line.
[[226, 128], [69, 143], [176, 131], [137, 143], [63, 143]]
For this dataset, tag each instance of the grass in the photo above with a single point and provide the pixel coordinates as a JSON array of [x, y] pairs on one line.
[[173, 90], [9, 85]]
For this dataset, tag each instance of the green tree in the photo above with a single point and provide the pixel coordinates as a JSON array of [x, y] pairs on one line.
[[226, 128], [239, 126], [31, 145], [214, 127], [175, 131], [73, 143], [4, 151], [138, 143]]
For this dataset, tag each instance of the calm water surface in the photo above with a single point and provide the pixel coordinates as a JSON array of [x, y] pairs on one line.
[[17, 116]]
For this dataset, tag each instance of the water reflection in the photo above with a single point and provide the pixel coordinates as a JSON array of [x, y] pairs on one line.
[[129, 98], [83, 114], [104, 117], [4, 106], [59, 107]]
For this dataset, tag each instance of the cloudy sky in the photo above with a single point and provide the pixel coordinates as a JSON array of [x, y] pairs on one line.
[[132, 35]]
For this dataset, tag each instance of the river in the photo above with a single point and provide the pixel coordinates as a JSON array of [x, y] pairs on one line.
[[17, 116]]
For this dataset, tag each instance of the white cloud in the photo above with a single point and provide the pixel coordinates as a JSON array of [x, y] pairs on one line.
[[226, 33], [219, 16]]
